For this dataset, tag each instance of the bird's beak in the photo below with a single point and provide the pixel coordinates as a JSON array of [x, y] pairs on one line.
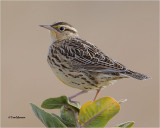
[[47, 27]]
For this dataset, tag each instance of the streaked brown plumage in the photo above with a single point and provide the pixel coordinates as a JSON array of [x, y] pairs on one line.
[[80, 64]]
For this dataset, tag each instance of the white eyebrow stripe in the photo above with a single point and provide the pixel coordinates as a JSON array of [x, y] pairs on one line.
[[70, 28]]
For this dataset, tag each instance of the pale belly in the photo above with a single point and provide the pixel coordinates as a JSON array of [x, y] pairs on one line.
[[76, 79]]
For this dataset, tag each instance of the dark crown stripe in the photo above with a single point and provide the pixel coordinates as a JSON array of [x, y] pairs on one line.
[[61, 23]]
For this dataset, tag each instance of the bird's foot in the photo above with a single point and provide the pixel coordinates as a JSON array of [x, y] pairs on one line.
[[71, 101]]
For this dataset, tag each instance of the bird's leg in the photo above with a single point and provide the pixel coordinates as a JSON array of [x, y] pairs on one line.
[[97, 94], [71, 97]]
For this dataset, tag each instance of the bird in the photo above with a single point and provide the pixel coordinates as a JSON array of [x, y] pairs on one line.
[[80, 64]]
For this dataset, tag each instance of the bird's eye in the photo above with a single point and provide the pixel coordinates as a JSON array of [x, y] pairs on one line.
[[62, 28]]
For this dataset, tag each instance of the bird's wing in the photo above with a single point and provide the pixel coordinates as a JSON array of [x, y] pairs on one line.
[[84, 55]]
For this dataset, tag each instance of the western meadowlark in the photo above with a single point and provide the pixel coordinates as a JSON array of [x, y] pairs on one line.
[[80, 64]]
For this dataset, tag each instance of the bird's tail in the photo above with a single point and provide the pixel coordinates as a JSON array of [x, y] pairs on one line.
[[136, 75]]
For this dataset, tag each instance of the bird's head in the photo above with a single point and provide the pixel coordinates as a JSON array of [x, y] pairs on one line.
[[61, 30]]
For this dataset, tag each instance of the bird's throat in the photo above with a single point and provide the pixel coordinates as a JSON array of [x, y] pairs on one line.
[[53, 36]]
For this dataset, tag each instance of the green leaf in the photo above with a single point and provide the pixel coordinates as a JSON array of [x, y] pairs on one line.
[[47, 119], [68, 124], [68, 114], [58, 102], [128, 124], [98, 113]]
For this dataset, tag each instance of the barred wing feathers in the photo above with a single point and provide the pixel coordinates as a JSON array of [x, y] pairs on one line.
[[86, 56]]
